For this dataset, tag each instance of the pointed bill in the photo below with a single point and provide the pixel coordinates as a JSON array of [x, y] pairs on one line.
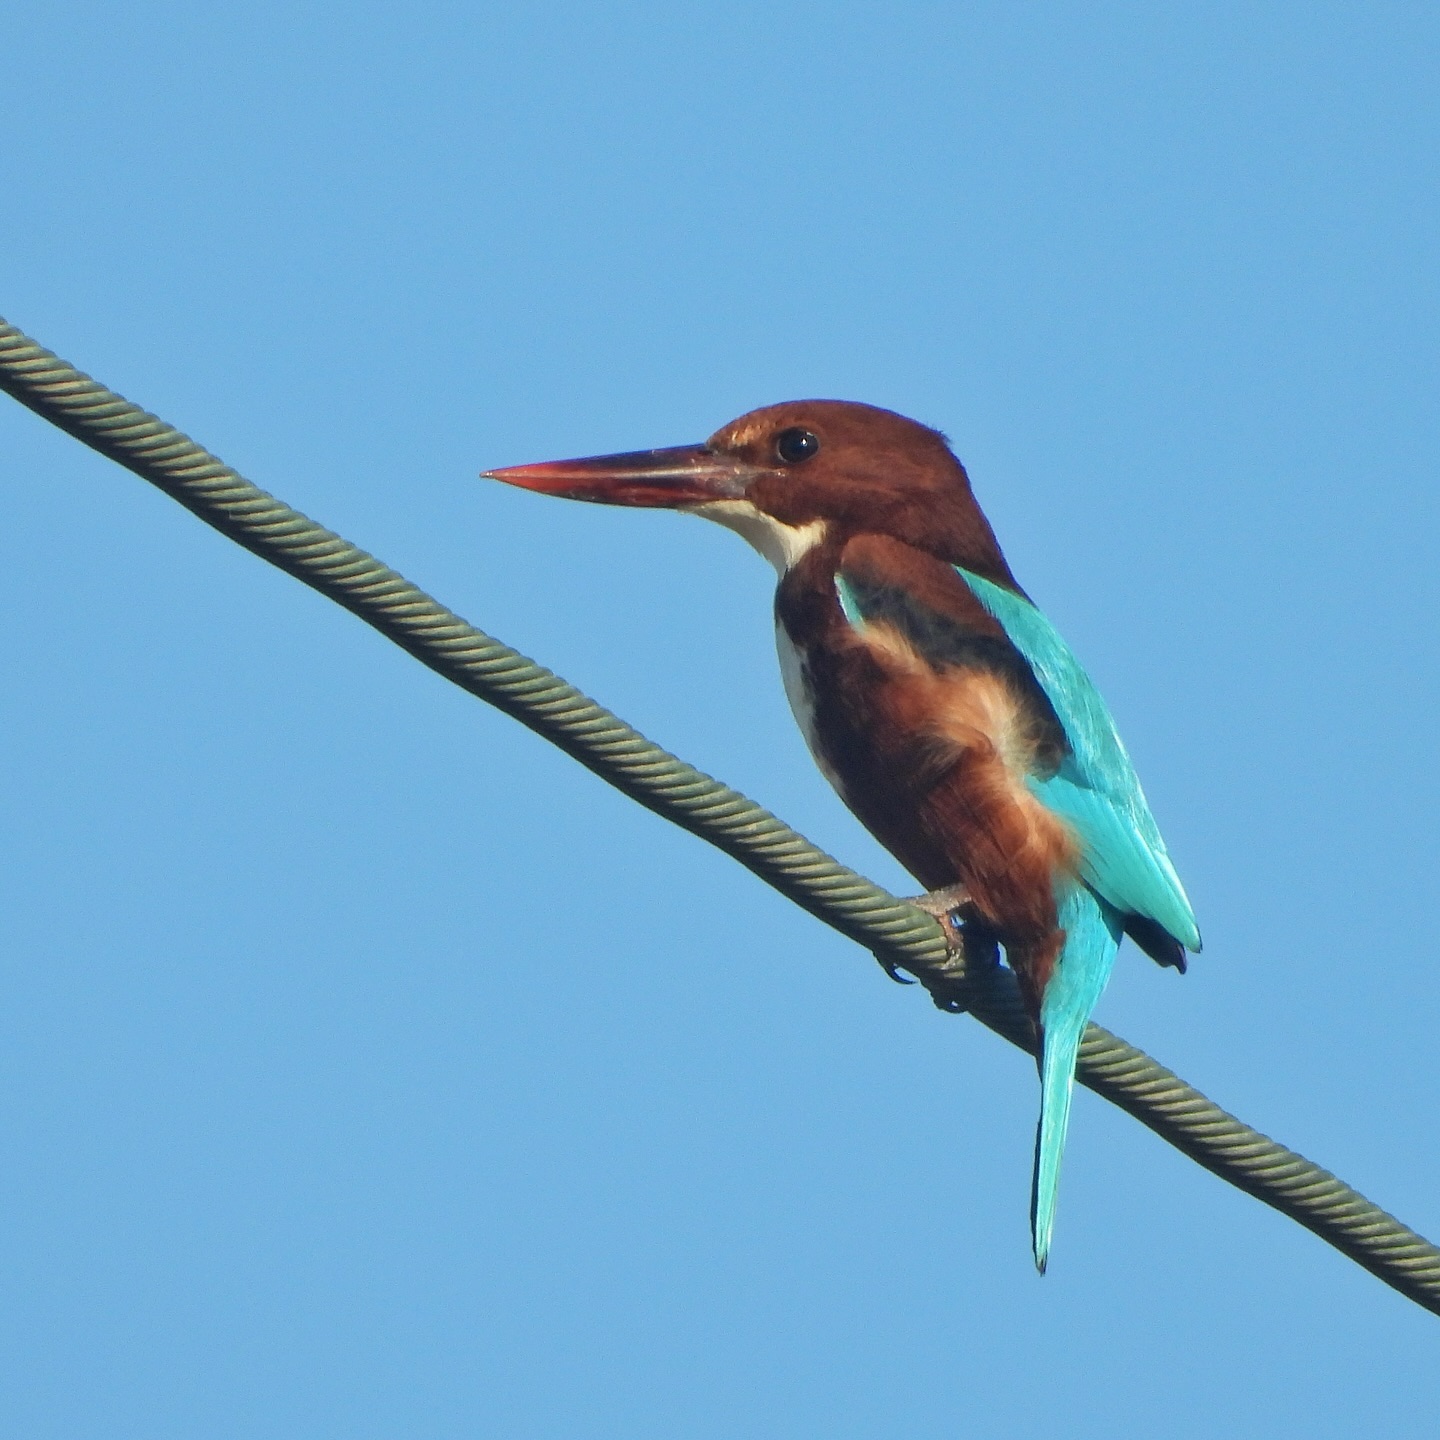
[[675, 479]]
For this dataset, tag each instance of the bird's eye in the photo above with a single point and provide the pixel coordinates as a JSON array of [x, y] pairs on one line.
[[793, 446]]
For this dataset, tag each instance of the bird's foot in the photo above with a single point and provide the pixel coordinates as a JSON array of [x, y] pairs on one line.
[[945, 905], [970, 944]]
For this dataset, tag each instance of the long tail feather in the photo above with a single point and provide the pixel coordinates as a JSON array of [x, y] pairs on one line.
[[1092, 936], [1057, 1082]]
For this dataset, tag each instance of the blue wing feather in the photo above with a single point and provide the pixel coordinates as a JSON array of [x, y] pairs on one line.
[[1096, 789]]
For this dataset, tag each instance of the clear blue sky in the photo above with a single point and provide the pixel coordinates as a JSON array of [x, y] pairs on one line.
[[368, 1068]]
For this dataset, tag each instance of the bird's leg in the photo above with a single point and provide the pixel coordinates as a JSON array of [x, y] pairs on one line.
[[971, 944], [945, 905]]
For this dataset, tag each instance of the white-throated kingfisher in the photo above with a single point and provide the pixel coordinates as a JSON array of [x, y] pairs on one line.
[[938, 701]]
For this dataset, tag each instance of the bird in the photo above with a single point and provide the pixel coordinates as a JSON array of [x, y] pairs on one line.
[[945, 709]]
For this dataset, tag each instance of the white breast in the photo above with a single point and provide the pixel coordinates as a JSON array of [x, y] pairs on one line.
[[794, 673], [783, 546]]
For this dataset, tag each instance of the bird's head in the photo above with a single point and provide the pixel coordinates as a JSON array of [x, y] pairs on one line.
[[788, 476]]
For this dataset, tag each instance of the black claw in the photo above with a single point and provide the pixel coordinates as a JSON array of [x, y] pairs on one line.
[[893, 971]]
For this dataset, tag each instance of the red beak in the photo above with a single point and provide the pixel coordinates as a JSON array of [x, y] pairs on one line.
[[683, 476]]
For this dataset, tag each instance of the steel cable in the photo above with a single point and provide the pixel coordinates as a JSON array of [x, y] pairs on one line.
[[897, 933]]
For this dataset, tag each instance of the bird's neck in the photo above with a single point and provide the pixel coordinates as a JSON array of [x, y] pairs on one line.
[[807, 598], [814, 549]]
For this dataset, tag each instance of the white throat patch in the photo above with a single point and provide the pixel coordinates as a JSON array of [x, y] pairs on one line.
[[781, 545]]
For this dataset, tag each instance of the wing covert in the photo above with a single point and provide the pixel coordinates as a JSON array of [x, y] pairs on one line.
[[1096, 788]]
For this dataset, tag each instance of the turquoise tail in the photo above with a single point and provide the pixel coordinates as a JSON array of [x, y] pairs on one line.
[[1092, 936]]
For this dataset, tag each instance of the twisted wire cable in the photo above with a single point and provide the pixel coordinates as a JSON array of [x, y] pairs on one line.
[[899, 935]]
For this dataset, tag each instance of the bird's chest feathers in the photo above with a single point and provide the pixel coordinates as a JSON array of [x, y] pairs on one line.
[[935, 753], [870, 681]]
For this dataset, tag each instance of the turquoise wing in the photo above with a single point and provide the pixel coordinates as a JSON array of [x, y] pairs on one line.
[[1096, 788]]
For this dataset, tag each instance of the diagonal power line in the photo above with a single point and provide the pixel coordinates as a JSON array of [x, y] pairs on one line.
[[897, 933]]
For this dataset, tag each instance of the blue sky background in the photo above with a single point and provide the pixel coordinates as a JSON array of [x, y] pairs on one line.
[[369, 1069]]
